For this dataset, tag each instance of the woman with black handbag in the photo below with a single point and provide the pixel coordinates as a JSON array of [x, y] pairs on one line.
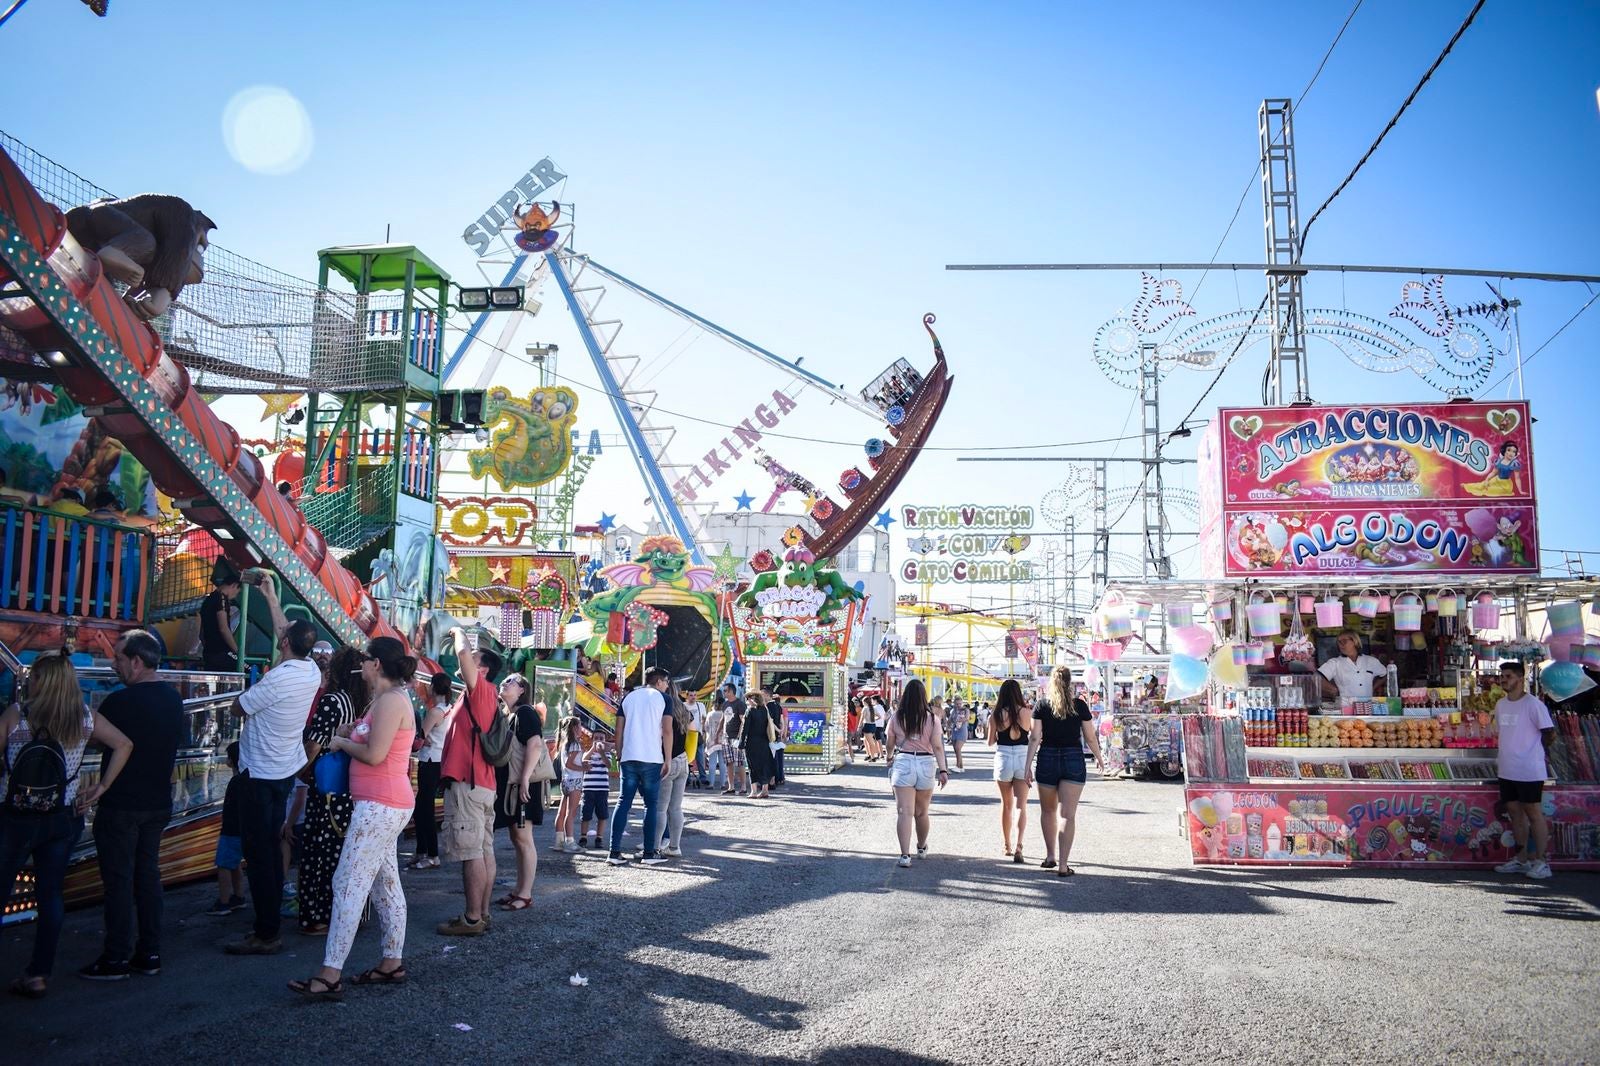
[[328, 802], [519, 797]]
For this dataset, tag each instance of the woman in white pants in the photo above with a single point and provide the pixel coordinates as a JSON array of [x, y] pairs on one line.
[[1009, 729], [914, 738], [379, 746], [677, 779]]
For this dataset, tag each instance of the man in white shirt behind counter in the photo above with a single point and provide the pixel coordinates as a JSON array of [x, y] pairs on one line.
[[1353, 676]]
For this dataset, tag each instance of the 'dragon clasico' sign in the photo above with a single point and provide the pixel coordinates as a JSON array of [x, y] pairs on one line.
[[1440, 487]]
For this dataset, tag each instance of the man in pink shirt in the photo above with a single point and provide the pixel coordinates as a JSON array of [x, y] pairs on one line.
[[1526, 731], [467, 835]]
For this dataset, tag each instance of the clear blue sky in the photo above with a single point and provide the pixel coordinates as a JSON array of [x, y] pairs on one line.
[[802, 173]]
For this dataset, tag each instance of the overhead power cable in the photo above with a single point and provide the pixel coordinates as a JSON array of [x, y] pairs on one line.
[[1306, 229]]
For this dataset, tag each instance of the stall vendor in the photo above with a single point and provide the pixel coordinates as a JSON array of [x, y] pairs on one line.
[[1351, 675]]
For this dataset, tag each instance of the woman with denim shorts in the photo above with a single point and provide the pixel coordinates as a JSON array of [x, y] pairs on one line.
[[1012, 772], [1063, 730], [915, 737]]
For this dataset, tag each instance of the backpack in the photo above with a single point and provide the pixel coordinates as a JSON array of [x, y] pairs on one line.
[[37, 780], [501, 735]]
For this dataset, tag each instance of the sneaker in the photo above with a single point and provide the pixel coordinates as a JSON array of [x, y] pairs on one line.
[[221, 907], [149, 965], [290, 891], [922, 853], [653, 858], [905, 861], [672, 853], [238, 903], [290, 909], [582, 843], [1539, 870], [254, 945], [616, 859], [460, 925], [105, 970], [1515, 866]]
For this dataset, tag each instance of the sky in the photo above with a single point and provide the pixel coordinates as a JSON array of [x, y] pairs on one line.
[[802, 174]]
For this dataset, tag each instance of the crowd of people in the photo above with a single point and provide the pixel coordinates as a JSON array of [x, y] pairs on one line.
[[322, 778]]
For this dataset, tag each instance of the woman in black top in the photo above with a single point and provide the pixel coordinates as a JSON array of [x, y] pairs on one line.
[[519, 802], [1012, 772], [755, 736], [1063, 730], [344, 698]]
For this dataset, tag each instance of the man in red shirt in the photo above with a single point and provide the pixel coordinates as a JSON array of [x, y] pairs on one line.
[[467, 835]]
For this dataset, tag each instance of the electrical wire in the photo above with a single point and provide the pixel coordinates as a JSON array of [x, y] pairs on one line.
[[1255, 173], [1575, 316], [12, 10], [1306, 229]]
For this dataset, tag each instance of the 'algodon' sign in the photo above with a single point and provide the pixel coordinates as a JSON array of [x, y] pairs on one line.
[[967, 517]]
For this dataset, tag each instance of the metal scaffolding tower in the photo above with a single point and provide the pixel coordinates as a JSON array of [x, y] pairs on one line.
[[1280, 206]]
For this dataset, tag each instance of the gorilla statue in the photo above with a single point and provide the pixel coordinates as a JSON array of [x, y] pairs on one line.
[[152, 243]]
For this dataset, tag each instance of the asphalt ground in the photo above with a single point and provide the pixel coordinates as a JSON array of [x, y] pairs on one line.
[[787, 933]]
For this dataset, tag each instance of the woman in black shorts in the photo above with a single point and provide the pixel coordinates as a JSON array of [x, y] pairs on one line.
[[519, 802], [1063, 730]]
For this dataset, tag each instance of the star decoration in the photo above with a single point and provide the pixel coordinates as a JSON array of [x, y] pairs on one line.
[[744, 499], [455, 567], [726, 564], [279, 404], [607, 522], [884, 520], [500, 572]]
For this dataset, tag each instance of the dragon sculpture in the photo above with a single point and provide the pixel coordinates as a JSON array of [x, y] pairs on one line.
[[534, 445], [804, 575], [662, 562]]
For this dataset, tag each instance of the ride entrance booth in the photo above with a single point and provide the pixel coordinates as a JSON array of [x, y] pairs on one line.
[[1363, 564], [794, 626]]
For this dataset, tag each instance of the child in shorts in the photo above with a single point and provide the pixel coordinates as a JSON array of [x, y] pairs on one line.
[[230, 849], [596, 792]]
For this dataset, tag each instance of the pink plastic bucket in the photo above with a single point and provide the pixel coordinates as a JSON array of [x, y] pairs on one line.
[[1485, 612], [1330, 614]]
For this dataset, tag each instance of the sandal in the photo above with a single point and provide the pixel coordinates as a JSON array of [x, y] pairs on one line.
[[1065, 871], [422, 864], [503, 900], [1016, 856], [516, 903], [21, 987], [379, 976], [307, 988], [1048, 864]]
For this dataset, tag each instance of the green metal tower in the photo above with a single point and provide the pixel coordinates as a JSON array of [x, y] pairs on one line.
[[372, 462]]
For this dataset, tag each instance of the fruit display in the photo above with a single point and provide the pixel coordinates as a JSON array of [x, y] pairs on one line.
[[1344, 731]]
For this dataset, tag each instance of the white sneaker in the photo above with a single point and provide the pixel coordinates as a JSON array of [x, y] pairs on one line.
[[1539, 870], [905, 861], [922, 853], [1515, 866], [672, 853]]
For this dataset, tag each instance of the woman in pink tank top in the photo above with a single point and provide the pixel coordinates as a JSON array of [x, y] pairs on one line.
[[379, 746]]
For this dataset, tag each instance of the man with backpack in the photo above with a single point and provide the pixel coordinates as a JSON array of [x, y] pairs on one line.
[[479, 739], [271, 752], [135, 810]]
